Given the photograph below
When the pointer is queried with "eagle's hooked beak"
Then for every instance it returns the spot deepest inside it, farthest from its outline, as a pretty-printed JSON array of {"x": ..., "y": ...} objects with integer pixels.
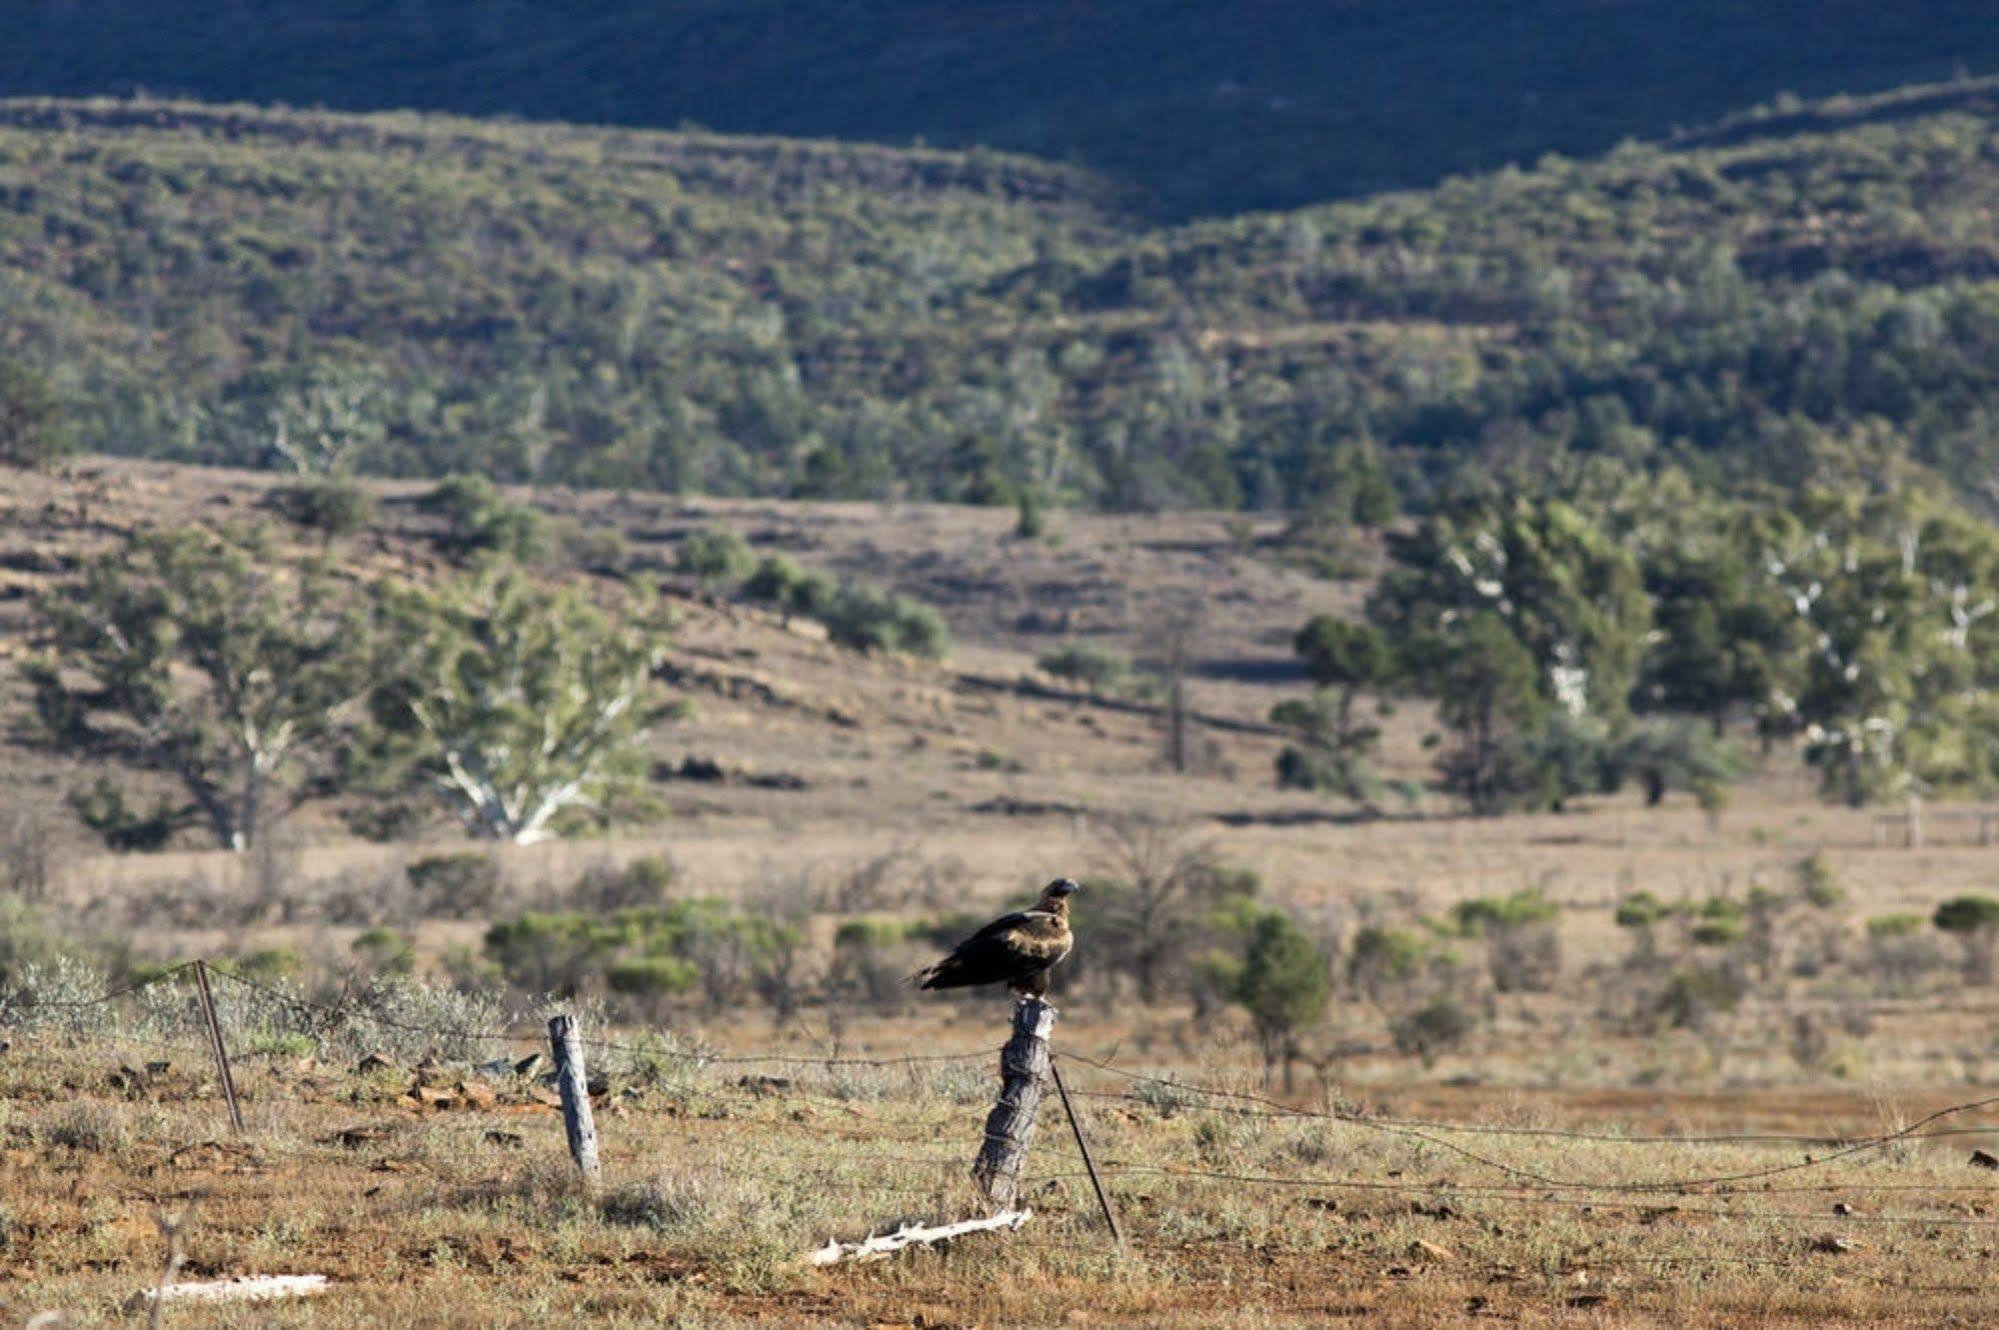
[{"x": 1063, "y": 886}]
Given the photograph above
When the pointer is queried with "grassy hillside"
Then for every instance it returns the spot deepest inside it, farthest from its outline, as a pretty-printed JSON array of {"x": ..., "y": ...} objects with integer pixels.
[
  {"x": 1208, "y": 107},
  {"x": 765, "y": 316}
]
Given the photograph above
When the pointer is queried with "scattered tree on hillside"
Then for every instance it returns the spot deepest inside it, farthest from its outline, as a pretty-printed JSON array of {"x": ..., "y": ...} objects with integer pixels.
[
  {"x": 521, "y": 706},
  {"x": 715, "y": 557},
  {"x": 1539, "y": 569},
  {"x": 1332, "y": 749},
  {"x": 780, "y": 582},
  {"x": 482, "y": 524},
  {"x": 323, "y": 421},
  {"x": 871, "y": 618},
  {"x": 31, "y": 433},
  {"x": 1489, "y": 693},
  {"x": 212, "y": 660},
  {"x": 1102, "y": 669}
]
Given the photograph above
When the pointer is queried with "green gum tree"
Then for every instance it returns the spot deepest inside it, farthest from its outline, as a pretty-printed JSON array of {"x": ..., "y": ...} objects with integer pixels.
[
  {"x": 520, "y": 705},
  {"x": 1488, "y": 691},
  {"x": 1563, "y": 588},
  {"x": 213, "y": 660}
]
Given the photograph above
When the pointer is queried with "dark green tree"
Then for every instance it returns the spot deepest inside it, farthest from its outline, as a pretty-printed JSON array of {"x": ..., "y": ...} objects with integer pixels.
[
  {"x": 31, "y": 432},
  {"x": 1332, "y": 748},
  {"x": 1728, "y": 636},
  {"x": 1285, "y": 985},
  {"x": 1563, "y": 589},
  {"x": 1974, "y": 921},
  {"x": 214, "y": 660},
  {"x": 1489, "y": 692}
]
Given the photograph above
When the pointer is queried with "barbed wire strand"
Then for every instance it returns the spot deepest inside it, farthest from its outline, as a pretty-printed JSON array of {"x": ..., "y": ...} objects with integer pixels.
[
  {"x": 1505, "y": 1129},
  {"x": 1861, "y": 1146},
  {"x": 353, "y": 1012},
  {"x": 10, "y": 1000}
]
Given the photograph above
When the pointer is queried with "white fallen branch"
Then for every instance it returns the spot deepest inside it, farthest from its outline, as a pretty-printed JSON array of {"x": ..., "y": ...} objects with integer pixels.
[
  {"x": 243, "y": 1288},
  {"x": 875, "y": 1248}
]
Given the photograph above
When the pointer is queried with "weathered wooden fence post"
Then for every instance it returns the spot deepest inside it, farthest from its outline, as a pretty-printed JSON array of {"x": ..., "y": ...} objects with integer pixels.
[
  {"x": 1023, "y": 1077},
  {"x": 566, "y": 1041},
  {"x": 216, "y": 1046}
]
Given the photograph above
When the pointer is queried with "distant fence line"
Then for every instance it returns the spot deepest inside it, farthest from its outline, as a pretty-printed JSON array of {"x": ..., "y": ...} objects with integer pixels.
[{"x": 1913, "y": 826}]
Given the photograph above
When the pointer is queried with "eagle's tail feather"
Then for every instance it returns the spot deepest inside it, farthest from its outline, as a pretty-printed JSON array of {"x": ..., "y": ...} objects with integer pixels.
[{"x": 947, "y": 973}]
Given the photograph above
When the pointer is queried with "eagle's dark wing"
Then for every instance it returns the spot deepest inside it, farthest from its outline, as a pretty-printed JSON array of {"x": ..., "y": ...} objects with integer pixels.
[{"x": 1010, "y": 949}]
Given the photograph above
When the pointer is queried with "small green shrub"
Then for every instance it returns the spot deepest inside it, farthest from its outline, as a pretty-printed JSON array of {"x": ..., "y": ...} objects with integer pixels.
[
  {"x": 1384, "y": 958},
  {"x": 1692, "y": 998},
  {"x": 1641, "y": 909},
  {"x": 730, "y": 953},
  {"x": 714, "y": 556},
  {"x": 1818, "y": 882},
  {"x": 665, "y": 1204},
  {"x": 333, "y": 506},
  {"x": 774, "y": 581},
  {"x": 1719, "y": 923},
  {"x": 455, "y": 885},
  {"x": 603, "y": 550},
  {"x": 480, "y": 521},
  {"x": 652, "y": 976},
  {"x": 868, "y": 618},
  {"x": 1099, "y": 668},
  {"x": 645, "y": 881},
  {"x": 1523, "y": 946},
  {"x": 1885, "y": 927},
  {"x": 269, "y": 964},
  {"x": 385, "y": 950},
  {"x": 1483, "y": 915},
  {"x": 1436, "y": 1027}
]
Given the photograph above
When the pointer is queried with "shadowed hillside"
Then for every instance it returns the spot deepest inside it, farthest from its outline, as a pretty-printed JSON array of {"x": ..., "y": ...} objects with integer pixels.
[{"x": 1209, "y": 107}]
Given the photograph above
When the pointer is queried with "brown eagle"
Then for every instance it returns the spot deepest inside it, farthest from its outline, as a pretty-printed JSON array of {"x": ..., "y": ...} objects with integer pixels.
[{"x": 1019, "y": 948}]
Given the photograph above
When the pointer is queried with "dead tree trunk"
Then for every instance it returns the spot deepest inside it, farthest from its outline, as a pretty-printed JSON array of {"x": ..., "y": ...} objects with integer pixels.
[{"x": 1024, "y": 1077}]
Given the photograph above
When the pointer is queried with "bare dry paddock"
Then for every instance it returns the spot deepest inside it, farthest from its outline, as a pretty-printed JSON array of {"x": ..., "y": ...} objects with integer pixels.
[{"x": 442, "y": 1194}]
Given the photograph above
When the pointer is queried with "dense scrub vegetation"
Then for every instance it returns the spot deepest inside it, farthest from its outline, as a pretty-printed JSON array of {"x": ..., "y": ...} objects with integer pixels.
[
  {"x": 1208, "y": 107},
  {"x": 410, "y": 295}
]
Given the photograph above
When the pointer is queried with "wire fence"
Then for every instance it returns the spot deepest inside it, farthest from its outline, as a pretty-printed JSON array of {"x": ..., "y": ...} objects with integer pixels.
[{"x": 907, "y": 1135}]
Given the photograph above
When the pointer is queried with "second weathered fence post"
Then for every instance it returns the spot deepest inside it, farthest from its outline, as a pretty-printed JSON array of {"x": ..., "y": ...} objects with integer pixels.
[
  {"x": 216, "y": 1046},
  {"x": 1023, "y": 1077},
  {"x": 566, "y": 1041}
]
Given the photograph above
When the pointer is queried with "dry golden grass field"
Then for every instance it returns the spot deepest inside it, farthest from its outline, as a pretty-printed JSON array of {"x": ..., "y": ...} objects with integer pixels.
[{"x": 1799, "y": 1156}]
